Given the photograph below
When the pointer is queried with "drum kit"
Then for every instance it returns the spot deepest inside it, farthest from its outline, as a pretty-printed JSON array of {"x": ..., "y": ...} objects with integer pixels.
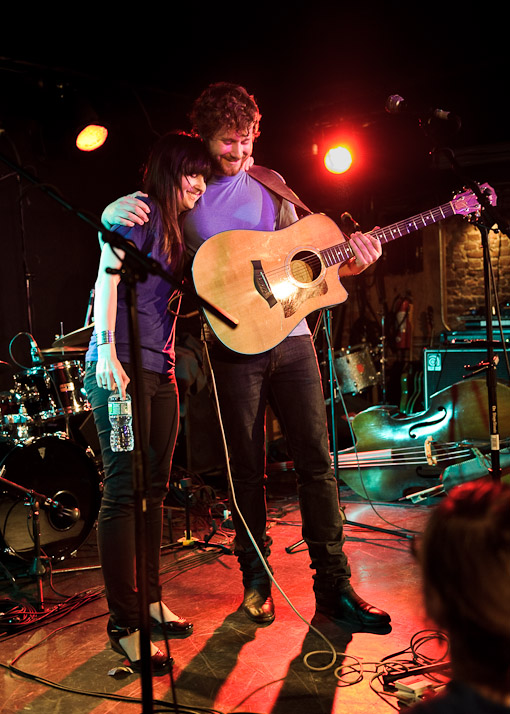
[
  {"x": 355, "y": 369},
  {"x": 44, "y": 458}
]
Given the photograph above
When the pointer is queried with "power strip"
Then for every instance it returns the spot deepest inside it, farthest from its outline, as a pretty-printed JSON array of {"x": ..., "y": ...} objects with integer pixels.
[{"x": 413, "y": 689}]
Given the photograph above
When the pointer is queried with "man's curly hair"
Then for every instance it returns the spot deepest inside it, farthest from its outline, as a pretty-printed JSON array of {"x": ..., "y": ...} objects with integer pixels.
[{"x": 224, "y": 105}]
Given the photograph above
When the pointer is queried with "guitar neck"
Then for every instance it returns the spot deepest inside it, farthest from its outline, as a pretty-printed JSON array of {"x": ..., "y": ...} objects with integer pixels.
[{"x": 342, "y": 252}]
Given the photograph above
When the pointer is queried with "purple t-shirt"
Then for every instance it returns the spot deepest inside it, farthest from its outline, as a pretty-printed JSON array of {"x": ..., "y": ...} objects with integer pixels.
[{"x": 156, "y": 324}]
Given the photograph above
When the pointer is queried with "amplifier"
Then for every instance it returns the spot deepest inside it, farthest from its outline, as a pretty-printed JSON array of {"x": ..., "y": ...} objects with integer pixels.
[
  {"x": 444, "y": 367},
  {"x": 473, "y": 335}
]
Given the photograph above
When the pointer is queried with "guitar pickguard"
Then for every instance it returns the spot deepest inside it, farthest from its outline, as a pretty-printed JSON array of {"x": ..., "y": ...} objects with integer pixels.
[
  {"x": 290, "y": 305},
  {"x": 303, "y": 282}
]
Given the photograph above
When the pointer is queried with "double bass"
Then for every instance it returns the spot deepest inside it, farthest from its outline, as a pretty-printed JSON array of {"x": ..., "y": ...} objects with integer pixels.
[{"x": 397, "y": 454}]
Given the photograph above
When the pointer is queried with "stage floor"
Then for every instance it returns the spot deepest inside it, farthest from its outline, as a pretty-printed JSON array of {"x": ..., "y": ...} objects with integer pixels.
[{"x": 229, "y": 664}]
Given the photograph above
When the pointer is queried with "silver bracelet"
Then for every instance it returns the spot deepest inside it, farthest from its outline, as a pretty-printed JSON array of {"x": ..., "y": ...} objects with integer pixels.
[{"x": 105, "y": 337}]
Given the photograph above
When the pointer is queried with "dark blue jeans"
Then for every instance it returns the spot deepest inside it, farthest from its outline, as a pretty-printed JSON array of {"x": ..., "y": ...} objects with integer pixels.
[
  {"x": 288, "y": 378},
  {"x": 116, "y": 523}
]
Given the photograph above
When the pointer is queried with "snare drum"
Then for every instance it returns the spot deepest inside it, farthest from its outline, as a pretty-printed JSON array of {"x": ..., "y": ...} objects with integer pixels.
[
  {"x": 355, "y": 369},
  {"x": 57, "y": 468}
]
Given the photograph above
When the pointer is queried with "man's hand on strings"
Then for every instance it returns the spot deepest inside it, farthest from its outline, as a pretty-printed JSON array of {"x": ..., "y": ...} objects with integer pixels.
[{"x": 367, "y": 250}]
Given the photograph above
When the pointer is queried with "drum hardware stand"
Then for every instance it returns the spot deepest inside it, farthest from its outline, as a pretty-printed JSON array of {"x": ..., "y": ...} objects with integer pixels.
[
  {"x": 189, "y": 540},
  {"x": 135, "y": 267},
  {"x": 7, "y": 572},
  {"x": 35, "y": 500}
]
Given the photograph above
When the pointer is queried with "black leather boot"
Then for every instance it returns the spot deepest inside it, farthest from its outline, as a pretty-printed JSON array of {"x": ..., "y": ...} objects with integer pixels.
[
  {"x": 345, "y": 604},
  {"x": 258, "y": 605}
]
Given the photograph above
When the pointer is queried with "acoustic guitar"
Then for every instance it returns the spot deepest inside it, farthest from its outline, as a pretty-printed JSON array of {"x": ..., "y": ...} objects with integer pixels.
[{"x": 271, "y": 280}]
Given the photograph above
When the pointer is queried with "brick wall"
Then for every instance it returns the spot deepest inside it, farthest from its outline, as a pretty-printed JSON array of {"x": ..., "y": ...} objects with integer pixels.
[{"x": 463, "y": 268}]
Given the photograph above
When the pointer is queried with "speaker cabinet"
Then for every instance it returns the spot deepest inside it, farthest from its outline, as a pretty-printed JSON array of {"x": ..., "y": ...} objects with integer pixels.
[{"x": 445, "y": 367}]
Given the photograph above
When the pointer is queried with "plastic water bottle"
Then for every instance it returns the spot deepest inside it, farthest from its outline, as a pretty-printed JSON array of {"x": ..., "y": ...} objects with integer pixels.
[{"x": 119, "y": 412}]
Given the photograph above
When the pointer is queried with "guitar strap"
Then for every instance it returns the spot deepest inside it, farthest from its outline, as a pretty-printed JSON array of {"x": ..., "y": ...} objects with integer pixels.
[{"x": 274, "y": 182}]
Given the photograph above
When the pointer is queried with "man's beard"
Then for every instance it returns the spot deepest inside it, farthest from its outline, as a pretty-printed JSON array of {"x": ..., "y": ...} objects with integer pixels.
[{"x": 227, "y": 168}]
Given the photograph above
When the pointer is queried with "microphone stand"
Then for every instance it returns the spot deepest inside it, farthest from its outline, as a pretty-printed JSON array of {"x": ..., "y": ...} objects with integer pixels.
[
  {"x": 135, "y": 268},
  {"x": 489, "y": 217},
  {"x": 37, "y": 500},
  {"x": 332, "y": 381}
]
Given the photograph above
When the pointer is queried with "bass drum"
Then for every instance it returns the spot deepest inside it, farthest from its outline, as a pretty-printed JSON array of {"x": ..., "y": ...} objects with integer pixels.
[{"x": 57, "y": 468}]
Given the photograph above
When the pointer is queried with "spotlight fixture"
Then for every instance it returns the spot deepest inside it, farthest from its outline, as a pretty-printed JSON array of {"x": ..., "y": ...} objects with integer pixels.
[
  {"x": 89, "y": 132},
  {"x": 68, "y": 119},
  {"x": 91, "y": 137},
  {"x": 338, "y": 160}
]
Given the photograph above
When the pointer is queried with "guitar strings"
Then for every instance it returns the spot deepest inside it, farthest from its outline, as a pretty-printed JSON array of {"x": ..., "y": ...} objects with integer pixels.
[
  {"x": 447, "y": 451},
  {"x": 385, "y": 235}
]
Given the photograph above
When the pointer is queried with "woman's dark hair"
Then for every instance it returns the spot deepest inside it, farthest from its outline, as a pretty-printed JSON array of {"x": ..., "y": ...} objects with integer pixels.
[
  {"x": 173, "y": 156},
  {"x": 465, "y": 559},
  {"x": 224, "y": 105}
]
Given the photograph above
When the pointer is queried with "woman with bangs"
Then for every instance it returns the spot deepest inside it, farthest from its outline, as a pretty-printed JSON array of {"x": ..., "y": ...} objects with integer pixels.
[{"x": 174, "y": 180}]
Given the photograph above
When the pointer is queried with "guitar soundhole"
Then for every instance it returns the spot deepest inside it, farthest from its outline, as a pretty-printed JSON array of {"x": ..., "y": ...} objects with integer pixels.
[{"x": 305, "y": 267}]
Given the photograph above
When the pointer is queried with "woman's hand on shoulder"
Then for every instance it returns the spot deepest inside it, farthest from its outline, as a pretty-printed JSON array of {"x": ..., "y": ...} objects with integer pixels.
[{"x": 126, "y": 211}]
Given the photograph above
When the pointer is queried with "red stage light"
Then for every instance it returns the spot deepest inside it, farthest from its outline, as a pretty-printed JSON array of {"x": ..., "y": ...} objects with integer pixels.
[{"x": 338, "y": 160}]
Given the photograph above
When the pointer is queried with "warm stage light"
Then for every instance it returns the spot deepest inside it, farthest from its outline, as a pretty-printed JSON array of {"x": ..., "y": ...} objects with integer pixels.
[
  {"x": 91, "y": 137},
  {"x": 338, "y": 160}
]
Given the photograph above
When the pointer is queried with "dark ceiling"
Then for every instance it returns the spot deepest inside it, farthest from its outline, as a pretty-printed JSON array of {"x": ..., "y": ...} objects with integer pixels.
[{"x": 313, "y": 69}]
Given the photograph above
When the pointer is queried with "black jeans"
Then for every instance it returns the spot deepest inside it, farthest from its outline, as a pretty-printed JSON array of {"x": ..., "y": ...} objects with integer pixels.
[
  {"x": 116, "y": 524},
  {"x": 288, "y": 378}
]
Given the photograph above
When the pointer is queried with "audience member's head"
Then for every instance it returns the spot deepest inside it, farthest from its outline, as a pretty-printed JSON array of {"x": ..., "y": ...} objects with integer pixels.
[{"x": 465, "y": 559}]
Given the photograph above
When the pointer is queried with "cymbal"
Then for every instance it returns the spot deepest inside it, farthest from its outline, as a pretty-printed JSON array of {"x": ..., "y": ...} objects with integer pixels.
[
  {"x": 78, "y": 337},
  {"x": 63, "y": 350}
]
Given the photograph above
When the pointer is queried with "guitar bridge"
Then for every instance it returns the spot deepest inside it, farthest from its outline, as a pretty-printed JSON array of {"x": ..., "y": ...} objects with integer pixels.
[{"x": 261, "y": 284}]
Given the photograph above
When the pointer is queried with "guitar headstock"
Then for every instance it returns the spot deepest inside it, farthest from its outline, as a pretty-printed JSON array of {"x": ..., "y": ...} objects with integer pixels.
[{"x": 467, "y": 204}]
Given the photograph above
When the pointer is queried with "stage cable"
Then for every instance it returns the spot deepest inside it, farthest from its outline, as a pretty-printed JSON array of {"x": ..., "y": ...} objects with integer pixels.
[{"x": 329, "y": 644}]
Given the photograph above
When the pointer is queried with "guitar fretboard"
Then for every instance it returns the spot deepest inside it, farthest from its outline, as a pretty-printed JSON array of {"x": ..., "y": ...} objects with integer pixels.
[{"x": 341, "y": 253}]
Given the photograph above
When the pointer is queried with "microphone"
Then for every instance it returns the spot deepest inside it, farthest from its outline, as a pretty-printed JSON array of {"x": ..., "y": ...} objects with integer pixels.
[
  {"x": 72, "y": 513},
  {"x": 348, "y": 224},
  {"x": 89, "y": 307},
  {"x": 35, "y": 352},
  {"x": 395, "y": 104}
]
